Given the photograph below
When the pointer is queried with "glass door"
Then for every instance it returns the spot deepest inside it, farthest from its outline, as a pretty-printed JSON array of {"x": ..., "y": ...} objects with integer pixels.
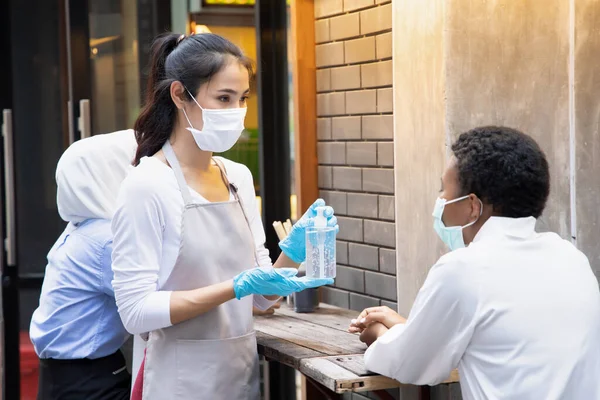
[{"x": 114, "y": 65}]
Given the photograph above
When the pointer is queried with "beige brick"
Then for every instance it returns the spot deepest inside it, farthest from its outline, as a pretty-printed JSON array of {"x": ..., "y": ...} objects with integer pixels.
[
  {"x": 360, "y": 153},
  {"x": 362, "y": 205},
  {"x": 337, "y": 200},
  {"x": 331, "y": 104},
  {"x": 350, "y": 229},
  {"x": 386, "y": 207},
  {"x": 384, "y": 46},
  {"x": 376, "y": 19},
  {"x": 351, "y": 5},
  {"x": 330, "y": 54},
  {"x": 377, "y": 284},
  {"x": 387, "y": 261},
  {"x": 323, "y": 80},
  {"x": 378, "y": 127},
  {"x": 331, "y": 152},
  {"x": 325, "y": 177},
  {"x": 385, "y": 99},
  {"x": 335, "y": 297},
  {"x": 359, "y": 302},
  {"x": 345, "y": 128},
  {"x": 378, "y": 180},
  {"x": 360, "y": 50},
  {"x": 376, "y": 74},
  {"x": 324, "y": 128},
  {"x": 325, "y": 8},
  {"x": 385, "y": 154},
  {"x": 345, "y": 78},
  {"x": 344, "y": 26},
  {"x": 346, "y": 178},
  {"x": 322, "y": 31},
  {"x": 361, "y": 102}
]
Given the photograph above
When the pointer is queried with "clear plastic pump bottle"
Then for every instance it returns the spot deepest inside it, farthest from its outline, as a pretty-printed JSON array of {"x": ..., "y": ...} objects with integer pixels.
[{"x": 320, "y": 248}]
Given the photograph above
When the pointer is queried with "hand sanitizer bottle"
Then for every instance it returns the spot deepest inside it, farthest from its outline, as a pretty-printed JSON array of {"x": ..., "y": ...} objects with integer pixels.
[{"x": 320, "y": 248}]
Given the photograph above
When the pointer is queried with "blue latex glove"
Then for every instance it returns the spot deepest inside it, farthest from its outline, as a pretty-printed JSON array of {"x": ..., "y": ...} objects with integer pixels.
[
  {"x": 294, "y": 245},
  {"x": 268, "y": 281}
]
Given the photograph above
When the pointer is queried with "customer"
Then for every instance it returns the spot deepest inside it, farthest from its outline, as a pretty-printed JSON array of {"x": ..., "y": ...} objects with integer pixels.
[{"x": 518, "y": 312}]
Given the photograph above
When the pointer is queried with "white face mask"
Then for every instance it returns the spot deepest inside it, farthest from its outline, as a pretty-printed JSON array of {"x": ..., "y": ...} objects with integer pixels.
[{"x": 222, "y": 128}]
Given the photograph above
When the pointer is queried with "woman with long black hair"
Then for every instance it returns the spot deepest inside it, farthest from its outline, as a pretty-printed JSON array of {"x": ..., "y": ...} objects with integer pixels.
[{"x": 188, "y": 239}]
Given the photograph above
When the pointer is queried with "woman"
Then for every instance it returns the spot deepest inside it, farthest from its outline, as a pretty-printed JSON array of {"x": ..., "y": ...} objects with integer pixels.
[
  {"x": 187, "y": 231},
  {"x": 76, "y": 330}
]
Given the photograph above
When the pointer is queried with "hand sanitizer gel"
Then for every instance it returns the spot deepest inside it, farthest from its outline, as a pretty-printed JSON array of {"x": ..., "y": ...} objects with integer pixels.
[{"x": 320, "y": 248}]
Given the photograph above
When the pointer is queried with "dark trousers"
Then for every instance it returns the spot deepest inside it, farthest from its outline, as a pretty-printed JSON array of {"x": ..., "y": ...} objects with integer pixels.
[{"x": 99, "y": 379}]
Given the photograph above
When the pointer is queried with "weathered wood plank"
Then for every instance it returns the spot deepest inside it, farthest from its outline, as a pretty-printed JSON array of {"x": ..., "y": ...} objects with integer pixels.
[
  {"x": 340, "y": 380},
  {"x": 282, "y": 351},
  {"x": 324, "y": 339},
  {"x": 353, "y": 363},
  {"x": 325, "y": 315},
  {"x": 327, "y": 373}
]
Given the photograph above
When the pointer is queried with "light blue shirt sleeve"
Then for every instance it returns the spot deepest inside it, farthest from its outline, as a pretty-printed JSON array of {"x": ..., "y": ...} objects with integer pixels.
[{"x": 77, "y": 316}]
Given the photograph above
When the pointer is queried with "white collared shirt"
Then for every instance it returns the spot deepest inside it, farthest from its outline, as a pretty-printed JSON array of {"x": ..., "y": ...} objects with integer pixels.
[{"x": 517, "y": 312}]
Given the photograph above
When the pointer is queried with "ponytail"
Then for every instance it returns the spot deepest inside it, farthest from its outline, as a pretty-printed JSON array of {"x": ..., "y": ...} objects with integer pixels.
[
  {"x": 192, "y": 61},
  {"x": 155, "y": 123}
]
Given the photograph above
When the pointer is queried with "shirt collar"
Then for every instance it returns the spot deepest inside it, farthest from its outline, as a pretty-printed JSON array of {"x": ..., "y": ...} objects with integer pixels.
[{"x": 502, "y": 226}]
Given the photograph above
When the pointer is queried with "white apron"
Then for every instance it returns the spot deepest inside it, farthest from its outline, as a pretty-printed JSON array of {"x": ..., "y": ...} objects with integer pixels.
[{"x": 213, "y": 356}]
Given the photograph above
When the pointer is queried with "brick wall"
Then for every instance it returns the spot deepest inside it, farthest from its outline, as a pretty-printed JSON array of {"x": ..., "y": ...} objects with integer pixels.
[{"x": 355, "y": 148}]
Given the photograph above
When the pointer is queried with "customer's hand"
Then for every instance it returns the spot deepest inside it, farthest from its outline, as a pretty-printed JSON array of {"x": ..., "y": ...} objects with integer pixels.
[
  {"x": 372, "y": 332},
  {"x": 269, "y": 311},
  {"x": 294, "y": 245},
  {"x": 383, "y": 315},
  {"x": 268, "y": 281}
]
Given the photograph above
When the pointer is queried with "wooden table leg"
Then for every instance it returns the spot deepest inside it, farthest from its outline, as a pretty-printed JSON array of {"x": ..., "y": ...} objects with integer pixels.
[{"x": 316, "y": 391}]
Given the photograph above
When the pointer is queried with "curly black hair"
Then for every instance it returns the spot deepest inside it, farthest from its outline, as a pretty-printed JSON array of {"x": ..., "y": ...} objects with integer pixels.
[{"x": 505, "y": 168}]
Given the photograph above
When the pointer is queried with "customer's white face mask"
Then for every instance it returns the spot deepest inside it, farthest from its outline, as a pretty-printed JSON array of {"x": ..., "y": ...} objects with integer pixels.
[{"x": 222, "y": 128}]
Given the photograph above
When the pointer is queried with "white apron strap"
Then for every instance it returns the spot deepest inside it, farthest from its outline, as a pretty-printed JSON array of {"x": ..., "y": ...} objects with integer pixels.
[{"x": 174, "y": 163}]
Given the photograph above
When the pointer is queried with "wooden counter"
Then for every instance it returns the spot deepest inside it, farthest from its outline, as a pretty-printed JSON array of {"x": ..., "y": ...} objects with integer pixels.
[{"x": 318, "y": 345}]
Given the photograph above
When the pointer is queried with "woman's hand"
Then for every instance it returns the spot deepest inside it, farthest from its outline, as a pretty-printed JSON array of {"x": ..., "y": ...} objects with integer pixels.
[
  {"x": 368, "y": 316},
  {"x": 273, "y": 281},
  {"x": 294, "y": 245}
]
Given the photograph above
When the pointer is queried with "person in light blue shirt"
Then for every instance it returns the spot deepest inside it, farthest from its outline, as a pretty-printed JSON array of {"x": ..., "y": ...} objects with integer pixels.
[{"x": 76, "y": 330}]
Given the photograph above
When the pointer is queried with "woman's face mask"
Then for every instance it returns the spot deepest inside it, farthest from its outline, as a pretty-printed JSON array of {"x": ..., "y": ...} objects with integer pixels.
[
  {"x": 452, "y": 236},
  {"x": 221, "y": 129}
]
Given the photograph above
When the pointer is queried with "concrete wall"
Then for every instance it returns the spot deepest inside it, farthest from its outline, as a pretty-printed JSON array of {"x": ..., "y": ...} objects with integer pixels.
[
  {"x": 586, "y": 127},
  {"x": 528, "y": 64}
]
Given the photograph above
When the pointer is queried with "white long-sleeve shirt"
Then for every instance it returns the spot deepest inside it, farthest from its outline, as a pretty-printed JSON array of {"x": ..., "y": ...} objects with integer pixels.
[
  {"x": 517, "y": 312},
  {"x": 147, "y": 233}
]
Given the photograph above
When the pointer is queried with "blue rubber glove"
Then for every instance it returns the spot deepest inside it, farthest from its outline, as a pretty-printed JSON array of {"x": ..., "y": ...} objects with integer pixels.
[
  {"x": 268, "y": 281},
  {"x": 294, "y": 245}
]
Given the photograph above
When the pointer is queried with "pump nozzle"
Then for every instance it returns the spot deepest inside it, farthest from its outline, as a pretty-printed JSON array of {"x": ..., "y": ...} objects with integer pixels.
[{"x": 320, "y": 220}]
